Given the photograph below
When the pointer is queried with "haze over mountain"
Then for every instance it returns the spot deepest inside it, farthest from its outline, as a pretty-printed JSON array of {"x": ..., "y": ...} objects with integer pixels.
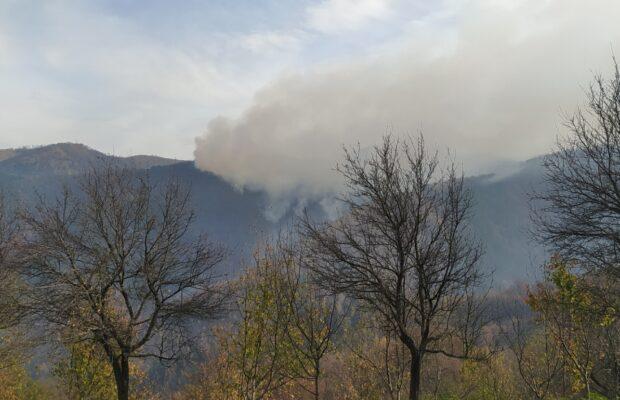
[{"x": 237, "y": 217}]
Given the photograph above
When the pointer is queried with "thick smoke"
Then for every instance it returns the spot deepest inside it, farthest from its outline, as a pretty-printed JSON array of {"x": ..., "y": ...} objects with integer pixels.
[{"x": 489, "y": 80}]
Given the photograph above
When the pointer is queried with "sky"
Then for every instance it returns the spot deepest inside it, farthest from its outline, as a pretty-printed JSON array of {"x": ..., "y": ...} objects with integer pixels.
[
  {"x": 148, "y": 76},
  {"x": 266, "y": 92}
]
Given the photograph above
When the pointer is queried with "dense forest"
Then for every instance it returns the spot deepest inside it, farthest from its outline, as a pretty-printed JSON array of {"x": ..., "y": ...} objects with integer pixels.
[{"x": 107, "y": 291}]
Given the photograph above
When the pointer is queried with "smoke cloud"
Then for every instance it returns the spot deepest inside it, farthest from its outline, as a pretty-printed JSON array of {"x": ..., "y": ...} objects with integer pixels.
[{"x": 487, "y": 79}]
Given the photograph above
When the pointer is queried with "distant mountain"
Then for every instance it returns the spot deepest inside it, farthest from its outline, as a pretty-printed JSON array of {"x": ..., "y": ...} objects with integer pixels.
[
  {"x": 237, "y": 218},
  {"x": 502, "y": 221},
  {"x": 26, "y": 172},
  {"x": 66, "y": 159},
  {"x": 231, "y": 217}
]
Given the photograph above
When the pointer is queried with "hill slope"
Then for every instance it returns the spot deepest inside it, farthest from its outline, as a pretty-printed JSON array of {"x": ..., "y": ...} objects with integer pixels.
[{"x": 236, "y": 218}]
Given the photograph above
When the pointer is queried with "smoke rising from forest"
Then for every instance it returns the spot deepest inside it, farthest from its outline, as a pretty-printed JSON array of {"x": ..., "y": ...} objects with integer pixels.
[{"x": 485, "y": 78}]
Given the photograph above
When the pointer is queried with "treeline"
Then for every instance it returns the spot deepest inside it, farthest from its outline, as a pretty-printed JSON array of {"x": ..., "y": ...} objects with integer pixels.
[{"x": 388, "y": 301}]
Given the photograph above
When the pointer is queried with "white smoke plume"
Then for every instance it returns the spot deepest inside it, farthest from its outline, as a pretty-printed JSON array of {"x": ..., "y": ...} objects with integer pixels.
[{"x": 487, "y": 79}]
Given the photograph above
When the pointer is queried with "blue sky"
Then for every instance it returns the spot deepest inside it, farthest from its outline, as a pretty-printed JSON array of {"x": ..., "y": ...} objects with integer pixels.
[{"x": 265, "y": 92}]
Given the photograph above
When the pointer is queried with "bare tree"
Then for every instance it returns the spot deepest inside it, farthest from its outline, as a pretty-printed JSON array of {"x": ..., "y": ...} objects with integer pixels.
[
  {"x": 12, "y": 309},
  {"x": 538, "y": 361},
  {"x": 314, "y": 320},
  {"x": 379, "y": 350},
  {"x": 15, "y": 336},
  {"x": 578, "y": 214},
  {"x": 404, "y": 249},
  {"x": 259, "y": 353},
  {"x": 113, "y": 262}
]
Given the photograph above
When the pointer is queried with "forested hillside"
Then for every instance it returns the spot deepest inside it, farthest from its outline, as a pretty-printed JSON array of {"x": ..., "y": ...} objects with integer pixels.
[{"x": 237, "y": 217}]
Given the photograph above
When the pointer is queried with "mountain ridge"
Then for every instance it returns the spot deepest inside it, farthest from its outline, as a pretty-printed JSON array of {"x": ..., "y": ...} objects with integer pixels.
[
  {"x": 238, "y": 218},
  {"x": 69, "y": 158}
]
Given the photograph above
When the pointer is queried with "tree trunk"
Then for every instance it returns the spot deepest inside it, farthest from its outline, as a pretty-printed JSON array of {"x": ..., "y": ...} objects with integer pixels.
[
  {"x": 414, "y": 379},
  {"x": 317, "y": 369},
  {"x": 120, "y": 366}
]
